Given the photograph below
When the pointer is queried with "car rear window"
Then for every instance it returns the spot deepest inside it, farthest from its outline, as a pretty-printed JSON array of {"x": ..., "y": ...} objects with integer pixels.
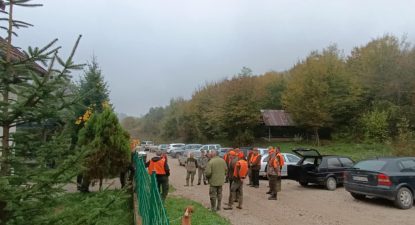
[
  {"x": 333, "y": 163},
  {"x": 371, "y": 165},
  {"x": 346, "y": 162}
]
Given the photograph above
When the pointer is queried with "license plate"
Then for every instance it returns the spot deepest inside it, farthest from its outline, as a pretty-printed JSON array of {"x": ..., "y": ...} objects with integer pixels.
[{"x": 358, "y": 178}]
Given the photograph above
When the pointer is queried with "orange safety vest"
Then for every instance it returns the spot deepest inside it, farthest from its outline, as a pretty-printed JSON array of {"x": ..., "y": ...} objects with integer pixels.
[
  {"x": 157, "y": 167},
  {"x": 276, "y": 165},
  {"x": 281, "y": 159},
  {"x": 254, "y": 158},
  {"x": 225, "y": 157},
  {"x": 243, "y": 169}
]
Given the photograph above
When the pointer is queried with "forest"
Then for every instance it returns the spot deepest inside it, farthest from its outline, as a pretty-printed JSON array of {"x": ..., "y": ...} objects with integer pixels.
[{"x": 366, "y": 95}]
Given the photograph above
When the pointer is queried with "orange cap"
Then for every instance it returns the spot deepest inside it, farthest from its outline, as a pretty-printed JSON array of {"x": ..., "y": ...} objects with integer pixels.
[{"x": 232, "y": 152}]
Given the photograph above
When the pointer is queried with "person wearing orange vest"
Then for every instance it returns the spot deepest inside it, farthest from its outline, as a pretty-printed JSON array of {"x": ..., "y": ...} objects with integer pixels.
[
  {"x": 159, "y": 166},
  {"x": 239, "y": 174},
  {"x": 281, "y": 162},
  {"x": 270, "y": 151},
  {"x": 248, "y": 159},
  {"x": 273, "y": 173},
  {"x": 255, "y": 166},
  {"x": 229, "y": 158}
]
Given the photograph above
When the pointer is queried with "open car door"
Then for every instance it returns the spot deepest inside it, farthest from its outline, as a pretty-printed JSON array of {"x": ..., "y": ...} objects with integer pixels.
[{"x": 306, "y": 152}]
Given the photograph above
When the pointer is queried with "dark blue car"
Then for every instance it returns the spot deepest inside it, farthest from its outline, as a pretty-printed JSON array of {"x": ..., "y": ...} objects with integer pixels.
[{"x": 390, "y": 178}]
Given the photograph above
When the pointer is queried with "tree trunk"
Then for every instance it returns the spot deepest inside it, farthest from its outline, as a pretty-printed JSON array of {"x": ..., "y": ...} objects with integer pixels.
[
  {"x": 4, "y": 163},
  {"x": 317, "y": 137},
  {"x": 100, "y": 184},
  {"x": 5, "y": 145}
]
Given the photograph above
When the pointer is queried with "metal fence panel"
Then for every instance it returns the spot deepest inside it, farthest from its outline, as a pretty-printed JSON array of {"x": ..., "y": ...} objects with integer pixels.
[{"x": 150, "y": 204}]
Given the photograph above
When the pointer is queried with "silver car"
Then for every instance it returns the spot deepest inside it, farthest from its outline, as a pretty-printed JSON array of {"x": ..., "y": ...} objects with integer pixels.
[{"x": 289, "y": 159}]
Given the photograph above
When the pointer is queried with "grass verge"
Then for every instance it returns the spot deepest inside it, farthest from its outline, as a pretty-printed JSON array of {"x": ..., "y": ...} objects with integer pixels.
[
  {"x": 175, "y": 207},
  {"x": 104, "y": 208},
  {"x": 357, "y": 151}
]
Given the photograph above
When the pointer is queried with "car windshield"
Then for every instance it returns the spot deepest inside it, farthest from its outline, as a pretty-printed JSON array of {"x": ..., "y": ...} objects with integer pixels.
[
  {"x": 177, "y": 146},
  {"x": 371, "y": 165}
]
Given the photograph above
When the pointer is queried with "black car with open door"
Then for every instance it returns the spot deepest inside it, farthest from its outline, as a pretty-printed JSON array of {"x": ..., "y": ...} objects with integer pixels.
[
  {"x": 319, "y": 169},
  {"x": 391, "y": 178}
]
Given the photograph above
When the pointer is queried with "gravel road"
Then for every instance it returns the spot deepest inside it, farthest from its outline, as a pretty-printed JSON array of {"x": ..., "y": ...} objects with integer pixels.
[{"x": 297, "y": 205}]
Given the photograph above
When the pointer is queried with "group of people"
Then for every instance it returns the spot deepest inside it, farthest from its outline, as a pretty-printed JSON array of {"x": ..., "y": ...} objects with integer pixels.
[{"x": 233, "y": 168}]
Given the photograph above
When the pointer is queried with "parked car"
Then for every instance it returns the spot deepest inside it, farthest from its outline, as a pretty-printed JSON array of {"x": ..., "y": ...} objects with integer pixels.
[
  {"x": 183, "y": 157},
  {"x": 174, "y": 146},
  {"x": 177, "y": 152},
  {"x": 210, "y": 147},
  {"x": 163, "y": 147},
  {"x": 319, "y": 169},
  {"x": 289, "y": 159},
  {"x": 223, "y": 151},
  {"x": 146, "y": 145},
  {"x": 389, "y": 178}
]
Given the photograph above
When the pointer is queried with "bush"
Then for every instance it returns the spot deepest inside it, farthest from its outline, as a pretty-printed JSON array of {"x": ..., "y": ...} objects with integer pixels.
[{"x": 375, "y": 126}]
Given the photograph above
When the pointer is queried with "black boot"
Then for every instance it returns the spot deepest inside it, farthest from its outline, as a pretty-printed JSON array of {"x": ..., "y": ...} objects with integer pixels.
[{"x": 273, "y": 197}]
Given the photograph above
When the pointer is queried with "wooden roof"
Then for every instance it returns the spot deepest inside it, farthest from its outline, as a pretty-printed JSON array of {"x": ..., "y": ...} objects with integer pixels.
[{"x": 277, "y": 118}]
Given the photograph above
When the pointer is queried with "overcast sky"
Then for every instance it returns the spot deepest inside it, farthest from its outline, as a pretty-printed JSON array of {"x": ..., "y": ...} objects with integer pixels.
[{"x": 153, "y": 50}]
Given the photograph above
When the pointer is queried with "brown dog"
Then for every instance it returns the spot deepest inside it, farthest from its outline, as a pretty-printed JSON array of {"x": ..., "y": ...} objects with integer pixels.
[{"x": 186, "y": 219}]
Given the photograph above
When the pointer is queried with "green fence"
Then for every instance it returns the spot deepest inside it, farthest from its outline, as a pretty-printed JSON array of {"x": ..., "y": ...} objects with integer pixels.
[{"x": 150, "y": 205}]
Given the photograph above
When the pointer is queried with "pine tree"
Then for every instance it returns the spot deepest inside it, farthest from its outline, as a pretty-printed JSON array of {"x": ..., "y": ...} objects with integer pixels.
[
  {"x": 93, "y": 92},
  {"x": 36, "y": 101},
  {"x": 107, "y": 144}
]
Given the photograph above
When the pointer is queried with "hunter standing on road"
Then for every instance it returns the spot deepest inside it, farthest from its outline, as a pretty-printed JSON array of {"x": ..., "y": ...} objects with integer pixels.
[
  {"x": 273, "y": 173},
  {"x": 255, "y": 166},
  {"x": 248, "y": 159},
  {"x": 159, "y": 166},
  {"x": 215, "y": 172},
  {"x": 202, "y": 163},
  {"x": 239, "y": 174},
  {"x": 191, "y": 166},
  {"x": 281, "y": 162}
]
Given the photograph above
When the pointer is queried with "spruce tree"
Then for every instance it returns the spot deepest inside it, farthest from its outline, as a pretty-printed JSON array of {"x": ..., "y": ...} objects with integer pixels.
[
  {"x": 107, "y": 144},
  {"x": 34, "y": 99}
]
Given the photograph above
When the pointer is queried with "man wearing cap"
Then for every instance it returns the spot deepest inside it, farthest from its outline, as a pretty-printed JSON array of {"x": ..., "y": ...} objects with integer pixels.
[
  {"x": 159, "y": 166},
  {"x": 202, "y": 163},
  {"x": 273, "y": 173},
  {"x": 239, "y": 174},
  {"x": 270, "y": 151},
  {"x": 281, "y": 162},
  {"x": 215, "y": 172},
  {"x": 248, "y": 159},
  {"x": 255, "y": 166}
]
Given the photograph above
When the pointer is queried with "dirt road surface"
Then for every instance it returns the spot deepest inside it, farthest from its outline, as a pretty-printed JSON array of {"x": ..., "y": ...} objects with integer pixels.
[{"x": 296, "y": 205}]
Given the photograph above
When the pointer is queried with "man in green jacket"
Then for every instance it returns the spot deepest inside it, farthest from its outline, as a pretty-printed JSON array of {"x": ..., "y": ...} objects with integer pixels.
[{"x": 216, "y": 172}]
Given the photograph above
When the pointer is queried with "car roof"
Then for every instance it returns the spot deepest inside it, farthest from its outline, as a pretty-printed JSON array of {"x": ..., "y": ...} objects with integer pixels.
[{"x": 390, "y": 158}]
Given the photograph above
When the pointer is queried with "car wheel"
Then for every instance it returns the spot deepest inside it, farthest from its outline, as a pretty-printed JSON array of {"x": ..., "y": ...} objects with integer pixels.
[
  {"x": 331, "y": 184},
  {"x": 358, "y": 196},
  {"x": 404, "y": 198},
  {"x": 303, "y": 183}
]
